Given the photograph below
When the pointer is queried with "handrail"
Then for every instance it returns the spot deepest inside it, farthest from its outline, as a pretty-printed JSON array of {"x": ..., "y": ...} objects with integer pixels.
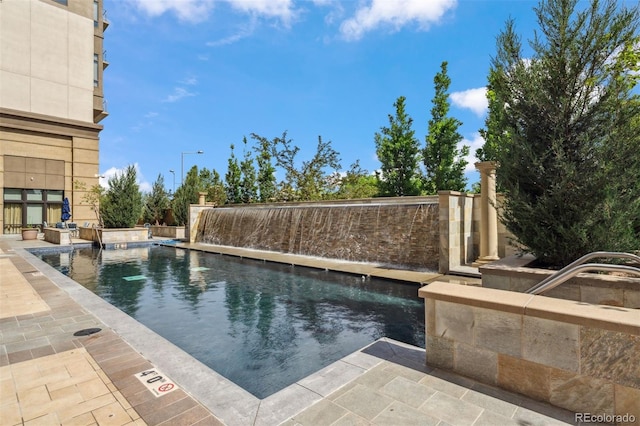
[
  {"x": 583, "y": 259},
  {"x": 568, "y": 274}
]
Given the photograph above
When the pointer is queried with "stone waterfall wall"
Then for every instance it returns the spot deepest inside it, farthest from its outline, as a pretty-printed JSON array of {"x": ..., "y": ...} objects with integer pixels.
[{"x": 401, "y": 233}]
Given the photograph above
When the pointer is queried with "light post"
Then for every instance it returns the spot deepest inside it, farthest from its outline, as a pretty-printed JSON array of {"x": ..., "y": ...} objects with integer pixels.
[
  {"x": 182, "y": 163},
  {"x": 174, "y": 179}
]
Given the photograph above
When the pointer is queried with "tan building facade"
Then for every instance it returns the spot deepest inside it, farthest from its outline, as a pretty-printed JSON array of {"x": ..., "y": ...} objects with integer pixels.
[{"x": 51, "y": 101}]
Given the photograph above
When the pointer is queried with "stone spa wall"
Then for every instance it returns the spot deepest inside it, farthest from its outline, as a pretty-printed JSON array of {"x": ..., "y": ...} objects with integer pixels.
[
  {"x": 581, "y": 357},
  {"x": 404, "y": 232}
]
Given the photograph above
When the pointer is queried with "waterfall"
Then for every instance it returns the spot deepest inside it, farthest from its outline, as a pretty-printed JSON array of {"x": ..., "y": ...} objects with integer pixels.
[{"x": 392, "y": 234}]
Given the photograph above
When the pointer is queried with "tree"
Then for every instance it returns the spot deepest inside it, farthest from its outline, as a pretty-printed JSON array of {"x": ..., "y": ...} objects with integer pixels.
[
  {"x": 443, "y": 161},
  {"x": 248, "y": 186},
  {"x": 313, "y": 182},
  {"x": 213, "y": 185},
  {"x": 232, "y": 179},
  {"x": 186, "y": 194},
  {"x": 356, "y": 183},
  {"x": 156, "y": 203},
  {"x": 398, "y": 150},
  {"x": 122, "y": 203},
  {"x": 266, "y": 179},
  {"x": 570, "y": 168},
  {"x": 494, "y": 134}
]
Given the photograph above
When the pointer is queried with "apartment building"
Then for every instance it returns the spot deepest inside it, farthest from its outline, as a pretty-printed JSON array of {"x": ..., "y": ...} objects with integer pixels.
[{"x": 51, "y": 103}]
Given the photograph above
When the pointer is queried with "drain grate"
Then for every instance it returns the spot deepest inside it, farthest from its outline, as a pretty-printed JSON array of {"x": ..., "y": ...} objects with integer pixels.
[{"x": 87, "y": 331}]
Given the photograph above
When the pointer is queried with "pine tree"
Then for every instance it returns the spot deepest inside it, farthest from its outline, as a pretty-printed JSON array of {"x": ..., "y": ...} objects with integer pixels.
[
  {"x": 398, "y": 151},
  {"x": 443, "y": 161},
  {"x": 248, "y": 187},
  {"x": 494, "y": 134},
  {"x": 186, "y": 194},
  {"x": 232, "y": 179},
  {"x": 157, "y": 202},
  {"x": 122, "y": 203},
  {"x": 570, "y": 168}
]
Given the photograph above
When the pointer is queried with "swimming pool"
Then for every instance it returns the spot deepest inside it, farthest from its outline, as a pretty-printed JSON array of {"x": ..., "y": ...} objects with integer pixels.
[{"x": 263, "y": 326}]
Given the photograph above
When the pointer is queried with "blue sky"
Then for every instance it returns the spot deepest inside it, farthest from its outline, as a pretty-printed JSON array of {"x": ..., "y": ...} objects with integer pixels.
[{"x": 189, "y": 75}]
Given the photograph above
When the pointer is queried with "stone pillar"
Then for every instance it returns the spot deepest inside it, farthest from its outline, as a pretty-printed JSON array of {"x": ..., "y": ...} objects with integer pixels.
[
  {"x": 488, "y": 213},
  {"x": 202, "y": 195}
]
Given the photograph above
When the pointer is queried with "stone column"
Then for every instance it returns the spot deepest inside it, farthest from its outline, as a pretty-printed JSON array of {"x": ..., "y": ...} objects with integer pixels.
[
  {"x": 488, "y": 213},
  {"x": 202, "y": 195}
]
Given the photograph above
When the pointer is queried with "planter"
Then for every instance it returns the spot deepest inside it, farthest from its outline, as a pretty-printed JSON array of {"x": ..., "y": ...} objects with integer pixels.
[
  {"x": 513, "y": 273},
  {"x": 174, "y": 232},
  {"x": 29, "y": 233}
]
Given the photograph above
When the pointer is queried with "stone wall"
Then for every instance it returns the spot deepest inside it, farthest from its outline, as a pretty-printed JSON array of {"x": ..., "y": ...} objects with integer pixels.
[
  {"x": 402, "y": 232},
  {"x": 580, "y": 357},
  {"x": 513, "y": 274}
]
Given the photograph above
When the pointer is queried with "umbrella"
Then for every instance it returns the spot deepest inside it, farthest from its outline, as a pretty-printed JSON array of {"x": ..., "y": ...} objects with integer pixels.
[{"x": 66, "y": 210}]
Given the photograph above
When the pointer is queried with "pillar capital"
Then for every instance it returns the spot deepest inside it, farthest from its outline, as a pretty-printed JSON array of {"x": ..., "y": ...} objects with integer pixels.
[{"x": 486, "y": 166}]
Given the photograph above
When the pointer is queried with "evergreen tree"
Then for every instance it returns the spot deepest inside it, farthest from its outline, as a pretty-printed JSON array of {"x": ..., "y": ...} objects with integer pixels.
[
  {"x": 313, "y": 182},
  {"x": 156, "y": 203},
  {"x": 443, "y": 161},
  {"x": 232, "y": 179},
  {"x": 494, "y": 134},
  {"x": 266, "y": 178},
  {"x": 570, "y": 168},
  {"x": 398, "y": 150},
  {"x": 213, "y": 185},
  {"x": 122, "y": 203},
  {"x": 248, "y": 187},
  {"x": 186, "y": 194}
]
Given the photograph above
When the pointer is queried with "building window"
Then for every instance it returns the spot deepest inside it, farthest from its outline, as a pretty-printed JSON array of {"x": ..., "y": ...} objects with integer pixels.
[
  {"x": 30, "y": 207},
  {"x": 96, "y": 63},
  {"x": 62, "y": 2},
  {"x": 95, "y": 13}
]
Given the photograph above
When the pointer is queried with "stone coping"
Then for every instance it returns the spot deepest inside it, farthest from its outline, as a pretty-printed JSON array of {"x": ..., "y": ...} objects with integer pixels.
[
  {"x": 517, "y": 264},
  {"x": 612, "y": 318}
]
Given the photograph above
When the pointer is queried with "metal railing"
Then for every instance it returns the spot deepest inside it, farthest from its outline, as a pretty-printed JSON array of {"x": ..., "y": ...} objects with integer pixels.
[{"x": 579, "y": 266}]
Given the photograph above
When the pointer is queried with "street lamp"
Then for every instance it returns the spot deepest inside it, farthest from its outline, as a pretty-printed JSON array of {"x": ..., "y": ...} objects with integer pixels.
[
  {"x": 182, "y": 163},
  {"x": 174, "y": 180}
]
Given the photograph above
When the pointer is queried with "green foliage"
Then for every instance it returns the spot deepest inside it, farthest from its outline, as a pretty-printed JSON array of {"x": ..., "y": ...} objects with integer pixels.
[
  {"x": 266, "y": 178},
  {"x": 443, "y": 161},
  {"x": 248, "y": 185},
  {"x": 211, "y": 182},
  {"x": 121, "y": 206},
  {"x": 156, "y": 203},
  {"x": 494, "y": 134},
  {"x": 311, "y": 181},
  {"x": 186, "y": 194},
  {"x": 356, "y": 183},
  {"x": 92, "y": 197},
  {"x": 397, "y": 149},
  {"x": 232, "y": 179},
  {"x": 570, "y": 168}
]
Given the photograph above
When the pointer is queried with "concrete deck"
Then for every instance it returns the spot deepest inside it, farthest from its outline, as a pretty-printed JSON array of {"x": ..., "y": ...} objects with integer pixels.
[{"x": 50, "y": 376}]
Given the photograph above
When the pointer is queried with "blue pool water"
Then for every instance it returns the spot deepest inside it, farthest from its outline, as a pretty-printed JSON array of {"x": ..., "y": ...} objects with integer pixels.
[{"x": 263, "y": 326}]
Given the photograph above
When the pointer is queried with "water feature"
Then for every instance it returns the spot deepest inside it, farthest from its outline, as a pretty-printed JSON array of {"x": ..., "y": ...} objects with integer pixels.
[
  {"x": 261, "y": 325},
  {"x": 404, "y": 234}
]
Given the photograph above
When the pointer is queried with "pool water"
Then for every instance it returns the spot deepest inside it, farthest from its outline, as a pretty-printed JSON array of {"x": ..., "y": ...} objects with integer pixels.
[{"x": 263, "y": 326}]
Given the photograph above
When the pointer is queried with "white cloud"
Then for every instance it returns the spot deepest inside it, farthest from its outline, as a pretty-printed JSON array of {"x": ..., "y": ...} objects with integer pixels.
[
  {"x": 114, "y": 172},
  {"x": 199, "y": 10},
  {"x": 279, "y": 9},
  {"x": 473, "y": 99},
  {"x": 178, "y": 93},
  {"x": 244, "y": 32},
  {"x": 185, "y": 10},
  {"x": 151, "y": 114},
  {"x": 476, "y": 142},
  {"x": 394, "y": 13},
  {"x": 190, "y": 81},
  {"x": 203, "y": 57}
]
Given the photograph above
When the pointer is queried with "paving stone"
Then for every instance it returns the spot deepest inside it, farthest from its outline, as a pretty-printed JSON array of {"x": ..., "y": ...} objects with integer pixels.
[
  {"x": 364, "y": 402},
  {"x": 452, "y": 410},
  {"x": 401, "y": 414}
]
